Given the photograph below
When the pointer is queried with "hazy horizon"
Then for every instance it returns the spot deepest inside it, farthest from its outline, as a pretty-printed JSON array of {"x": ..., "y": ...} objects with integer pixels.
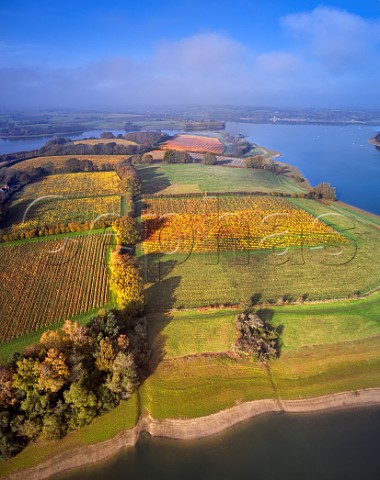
[{"x": 90, "y": 55}]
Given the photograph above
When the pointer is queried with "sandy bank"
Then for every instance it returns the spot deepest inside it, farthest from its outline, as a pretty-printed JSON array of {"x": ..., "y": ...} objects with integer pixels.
[
  {"x": 374, "y": 141},
  {"x": 193, "y": 429}
]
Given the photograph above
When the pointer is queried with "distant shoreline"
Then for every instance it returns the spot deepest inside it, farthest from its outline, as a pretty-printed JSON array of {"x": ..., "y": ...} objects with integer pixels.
[{"x": 193, "y": 429}]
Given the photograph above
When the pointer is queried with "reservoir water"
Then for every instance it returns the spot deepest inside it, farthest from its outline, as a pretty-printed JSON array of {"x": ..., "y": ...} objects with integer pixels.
[
  {"x": 339, "y": 155},
  {"x": 340, "y": 445}
]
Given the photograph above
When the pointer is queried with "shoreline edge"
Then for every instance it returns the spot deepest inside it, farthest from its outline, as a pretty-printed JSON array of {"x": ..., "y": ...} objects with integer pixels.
[{"x": 192, "y": 429}]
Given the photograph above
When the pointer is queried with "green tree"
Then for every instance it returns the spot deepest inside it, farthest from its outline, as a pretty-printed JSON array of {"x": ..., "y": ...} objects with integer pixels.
[
  {"x": 27, "y": 375},
  {"x": 209, "y": 159},
  {"x": 168, "y": 156},
  {"x": 124, "y": 375},
  {"x": 54, "y": 424},
  {"x": 83, "y": 404},
  {"x": 103, "y": 325},
  {"x": 10, "y": 442}
]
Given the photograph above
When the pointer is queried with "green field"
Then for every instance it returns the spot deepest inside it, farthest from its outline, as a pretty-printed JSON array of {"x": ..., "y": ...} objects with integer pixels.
[
  {"x": 193, "y": 332},
  {"x": 196, "y": 386},
  {"x": 192, "y": 280},
  {"x": 204, "y": 178}
]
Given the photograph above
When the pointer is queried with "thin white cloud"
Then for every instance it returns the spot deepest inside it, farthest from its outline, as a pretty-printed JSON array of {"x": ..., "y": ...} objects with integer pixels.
[
  {"x": 279, "y": 63},
  {"x": 339, "y": 39},
  {"x": 201, "y": 52}
]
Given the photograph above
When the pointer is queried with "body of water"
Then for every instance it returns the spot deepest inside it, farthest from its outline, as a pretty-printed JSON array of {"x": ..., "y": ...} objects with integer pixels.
[
  {"x": 26, "y": 144},
  {"x": 341, "y": 445},
  {"x": 340, "y": 155}
]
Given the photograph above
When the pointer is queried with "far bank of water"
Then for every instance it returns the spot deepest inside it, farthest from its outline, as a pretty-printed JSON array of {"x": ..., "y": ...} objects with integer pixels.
[
  {"x": 26, "y": 144},
  {"x": 340, "y": 445}
]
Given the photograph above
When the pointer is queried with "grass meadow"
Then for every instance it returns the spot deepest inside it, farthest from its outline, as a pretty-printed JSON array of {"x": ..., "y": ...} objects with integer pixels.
[{"x": 195, "y": 177}]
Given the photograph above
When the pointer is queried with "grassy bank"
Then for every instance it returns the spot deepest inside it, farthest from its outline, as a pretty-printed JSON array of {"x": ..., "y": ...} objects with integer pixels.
[{"x": 102, "y": 428}]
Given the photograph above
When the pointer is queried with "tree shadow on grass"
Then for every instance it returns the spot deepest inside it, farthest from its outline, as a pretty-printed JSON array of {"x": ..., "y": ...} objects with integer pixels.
[
  {"x": 153, "y": 269},
  {"x": 161, "y": 298},
  {"x": 153, "y": 180}
]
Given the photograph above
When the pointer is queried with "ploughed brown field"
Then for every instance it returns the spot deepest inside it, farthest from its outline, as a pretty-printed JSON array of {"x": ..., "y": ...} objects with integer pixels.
[{"x": 194, "y": 143}]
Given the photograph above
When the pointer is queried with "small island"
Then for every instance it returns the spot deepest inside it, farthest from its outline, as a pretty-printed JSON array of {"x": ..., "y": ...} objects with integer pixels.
[{"x": 375, "y": 141}]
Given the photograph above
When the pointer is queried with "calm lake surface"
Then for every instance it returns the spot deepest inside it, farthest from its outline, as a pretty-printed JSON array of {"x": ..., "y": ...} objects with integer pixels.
[
  {"x": 341, "y": 445},
  {"x": 341, "y": 156}
]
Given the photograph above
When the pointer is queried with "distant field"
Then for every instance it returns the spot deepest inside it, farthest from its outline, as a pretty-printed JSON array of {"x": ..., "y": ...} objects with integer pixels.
[
  {"x": 198, "y": 157},
  {"x": 84, "y": 184},
  {"x": 48, "y": 281},
  {"x": 194, "y": 143},
  {"x": 191, "y": 279},
  {"x": 97, "y": 141},
  {"x": 156, "y": 178},
  {"x": 59, "y": 160}
]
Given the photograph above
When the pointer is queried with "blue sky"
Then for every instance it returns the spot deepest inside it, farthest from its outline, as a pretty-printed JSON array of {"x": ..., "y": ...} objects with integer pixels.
[{"x": 99, "y": 54}]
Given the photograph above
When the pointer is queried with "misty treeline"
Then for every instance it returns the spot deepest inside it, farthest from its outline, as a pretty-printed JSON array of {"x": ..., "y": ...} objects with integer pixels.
[{"x": 72, "y": 375}]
